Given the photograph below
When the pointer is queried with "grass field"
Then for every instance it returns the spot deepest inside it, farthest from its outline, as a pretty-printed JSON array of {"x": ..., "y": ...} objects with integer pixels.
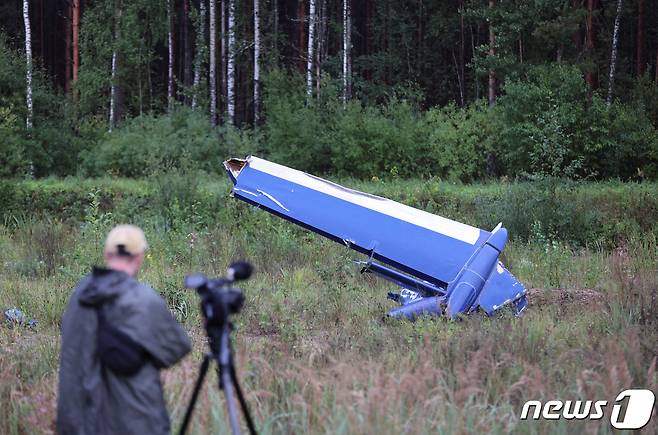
[{"x": 314, "y": 352}]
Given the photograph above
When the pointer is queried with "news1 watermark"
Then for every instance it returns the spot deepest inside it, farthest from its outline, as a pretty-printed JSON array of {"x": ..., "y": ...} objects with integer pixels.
[{"x": 632, "y": 409}]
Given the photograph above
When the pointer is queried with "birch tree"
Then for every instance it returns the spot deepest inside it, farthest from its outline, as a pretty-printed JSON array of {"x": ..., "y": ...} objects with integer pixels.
[
  {"x": 200, "y": 48},
  {"x": 222, "y": 56},
  {"x": 28, "y": 60},
  {"x": 170, "y": 66},
  {"x": 347, "y": 45},
  {"x": 256, "y": 62},
  {"x": 613, "y": 55},
  {"x": 230, "y": 69},
  {"x": 213, "y": 65},
  {"x": 311, "y": 47},
  {"x": 114, "y": 90}
]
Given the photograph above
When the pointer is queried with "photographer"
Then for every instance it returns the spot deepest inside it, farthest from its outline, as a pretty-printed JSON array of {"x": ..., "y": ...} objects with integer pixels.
[{"x": 117, "y": 334}]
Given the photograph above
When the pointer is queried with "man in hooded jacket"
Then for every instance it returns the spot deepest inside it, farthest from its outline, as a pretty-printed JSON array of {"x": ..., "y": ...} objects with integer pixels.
[{"x": 117, "y": 333}]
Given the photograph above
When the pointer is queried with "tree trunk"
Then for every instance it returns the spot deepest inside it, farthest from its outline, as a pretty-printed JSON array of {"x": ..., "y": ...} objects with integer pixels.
[
  {"x": 317, "y": 67},
  {"x": 170, "y": 69},
  {"x": 114, "y": 91},
  {"x": 276, "y": 28},
  {"x": 200, "y": 51},
  {"x": 347, "y": 45},
  {"x": 28, "y": 60},
  {"x": 230, "y": 69},
  {"x": 301, "y": 34},
  {"x": 492, "y": 53},
  {"x": 187, "y": 47},
  {"x": 639, "y": 57},
  {"x": 213, "y": 65},
  {"x": 68, "y": 36},
  {"x": 590, "y": 78},
  {"x": 256, "y": 62},
  {"x": 222, "y": 59},
  {"x": 76, "y": 39},
  {"x": 613, "y": 55},
  {"x": 311, "y": 47},
  {"x": 460, "y": 73}
]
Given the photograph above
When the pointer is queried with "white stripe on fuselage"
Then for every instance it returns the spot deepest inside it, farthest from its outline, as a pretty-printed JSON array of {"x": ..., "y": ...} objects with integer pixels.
[{"x": 432, "y": 222}]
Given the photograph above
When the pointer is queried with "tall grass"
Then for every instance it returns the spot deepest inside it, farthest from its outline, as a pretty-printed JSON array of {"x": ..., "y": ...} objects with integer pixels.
[{"x": 313, "y": 350}]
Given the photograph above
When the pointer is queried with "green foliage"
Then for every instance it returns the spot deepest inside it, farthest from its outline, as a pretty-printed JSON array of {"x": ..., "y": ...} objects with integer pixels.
[
  {"x": 550, "y": 127},
  {"x": 142, "y": 26},
  {"x": 51, "y": 146},
  {"x": 461, "y": 141},
  {"x": 150, "y": 144}
]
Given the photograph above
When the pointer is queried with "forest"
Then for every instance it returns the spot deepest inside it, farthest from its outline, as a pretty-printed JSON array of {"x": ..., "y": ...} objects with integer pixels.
[
  {"x": 540, "y": 114},
  {"x": 462, "y": 90}
]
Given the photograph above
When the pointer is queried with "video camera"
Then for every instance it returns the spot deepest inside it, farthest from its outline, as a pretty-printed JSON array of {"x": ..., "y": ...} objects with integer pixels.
[{"x": 219, "y": 299}]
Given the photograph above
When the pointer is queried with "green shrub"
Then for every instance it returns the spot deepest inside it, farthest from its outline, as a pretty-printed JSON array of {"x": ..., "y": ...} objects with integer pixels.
[
  {"x": 549, "y": 126},
  {"x": 51, "y": 146},
  {"x": 379, "y": 142},
  {"x": 461, "y": 141},
  {"x": 149, "y": 144}
]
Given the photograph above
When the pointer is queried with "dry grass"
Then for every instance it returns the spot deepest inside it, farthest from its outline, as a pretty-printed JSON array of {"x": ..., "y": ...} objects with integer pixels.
[{"x": 315, "y": 355}]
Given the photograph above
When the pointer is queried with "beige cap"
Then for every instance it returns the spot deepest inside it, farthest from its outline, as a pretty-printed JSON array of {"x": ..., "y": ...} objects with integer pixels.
[{"x": 125, "y": 240}]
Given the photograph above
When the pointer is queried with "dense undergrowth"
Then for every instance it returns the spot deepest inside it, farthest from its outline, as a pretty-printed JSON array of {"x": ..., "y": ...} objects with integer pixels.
[
  {"x": 313, "y": 350},
  {"x": 545, "y": 123}
]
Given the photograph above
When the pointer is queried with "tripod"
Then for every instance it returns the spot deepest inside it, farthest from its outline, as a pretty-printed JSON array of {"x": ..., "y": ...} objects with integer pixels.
[{"x": 219, "y": 336}]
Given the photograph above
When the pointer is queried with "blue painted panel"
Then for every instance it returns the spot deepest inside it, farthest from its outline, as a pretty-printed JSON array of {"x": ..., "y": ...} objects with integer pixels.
[
  {"x": 500, "y": 289},
  {"x": 412, "y": 248}
]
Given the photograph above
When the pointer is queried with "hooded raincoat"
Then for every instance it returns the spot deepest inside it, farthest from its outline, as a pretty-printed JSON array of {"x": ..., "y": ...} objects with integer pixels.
[{"x": 91, "y": 398}]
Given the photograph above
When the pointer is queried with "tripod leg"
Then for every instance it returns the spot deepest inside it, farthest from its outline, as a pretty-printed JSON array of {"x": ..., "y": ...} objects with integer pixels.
[
  {"x": 230, "y": 400},
  {"x": 243, "y": 402},
  {"x": 197, "y": 387}
]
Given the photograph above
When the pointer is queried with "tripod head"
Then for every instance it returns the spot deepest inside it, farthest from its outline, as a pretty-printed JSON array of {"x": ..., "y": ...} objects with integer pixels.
[{"x": 219, "y": 299}]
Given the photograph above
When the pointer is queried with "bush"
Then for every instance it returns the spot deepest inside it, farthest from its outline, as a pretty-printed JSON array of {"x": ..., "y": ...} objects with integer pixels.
[
  {"x": 52, "y": 145},
  {"x": 322, "y": 136},
  {"x": 151, "y": 144},
  {"x": 549, "y": 126},
  {"x": 379, "y": 142},
  {"x": 461, "y": 141}
]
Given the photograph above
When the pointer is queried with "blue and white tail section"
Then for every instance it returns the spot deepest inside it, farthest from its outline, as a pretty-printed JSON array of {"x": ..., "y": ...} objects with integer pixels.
[{"x": 443, "y": 266}]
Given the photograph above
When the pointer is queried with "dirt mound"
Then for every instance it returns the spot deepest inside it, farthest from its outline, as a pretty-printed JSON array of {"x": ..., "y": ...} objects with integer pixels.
[{"x": 586, "y": 296}]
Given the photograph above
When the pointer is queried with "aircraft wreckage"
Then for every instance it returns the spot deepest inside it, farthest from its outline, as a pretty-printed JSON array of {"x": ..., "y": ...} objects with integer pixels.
[{"x": 442, "y": 267}]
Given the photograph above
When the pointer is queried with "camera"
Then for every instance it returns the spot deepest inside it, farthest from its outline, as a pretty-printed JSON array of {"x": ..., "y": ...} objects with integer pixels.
[{"x": 219, "y": 299}]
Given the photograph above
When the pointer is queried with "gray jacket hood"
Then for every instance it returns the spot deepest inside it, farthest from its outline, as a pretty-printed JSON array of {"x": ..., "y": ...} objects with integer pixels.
[{"x": 103, "y": 285}]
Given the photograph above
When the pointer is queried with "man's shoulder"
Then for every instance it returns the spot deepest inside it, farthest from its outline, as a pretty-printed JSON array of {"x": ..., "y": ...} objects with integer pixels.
[{"x": 143, "y": 293}]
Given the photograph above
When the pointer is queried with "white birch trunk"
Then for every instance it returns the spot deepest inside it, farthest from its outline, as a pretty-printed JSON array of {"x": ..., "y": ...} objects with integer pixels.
[
  {"x": 256, "y": 62},
  {"x": 200, "y": 43},
  {"x": 230, "y": 91},
  {"x": 222, "y": 55},
  {"x": 170, "y": 70},
  {"x": 115, "y": 60},
  {"x": 311, "y": 47},
  {"x": 28, "y": 60},
  {"x": 613, "y": 55},
  {"x": 213, "y": 64},
  {"x": 346, "y": 51}
]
